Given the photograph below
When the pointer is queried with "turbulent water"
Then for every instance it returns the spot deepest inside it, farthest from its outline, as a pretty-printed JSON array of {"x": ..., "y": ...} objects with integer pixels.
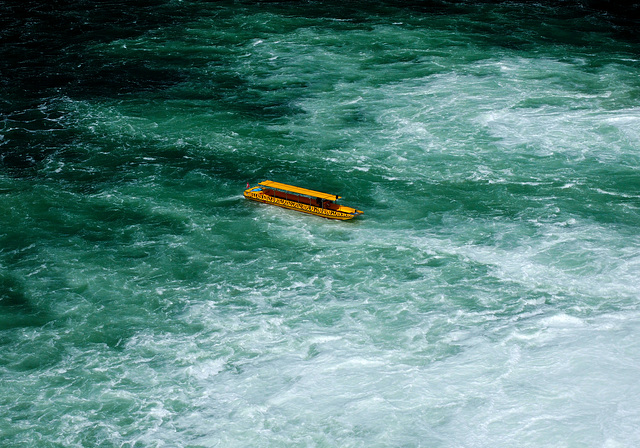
[{"x": 488, "y": 297}]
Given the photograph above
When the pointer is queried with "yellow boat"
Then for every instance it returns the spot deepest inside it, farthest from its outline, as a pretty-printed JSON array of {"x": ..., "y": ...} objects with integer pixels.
[{"x": 300, "y": 199}]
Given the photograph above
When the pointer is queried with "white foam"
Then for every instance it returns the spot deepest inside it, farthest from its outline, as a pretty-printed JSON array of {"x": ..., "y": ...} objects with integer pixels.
[{"x": 562, "y": 320}]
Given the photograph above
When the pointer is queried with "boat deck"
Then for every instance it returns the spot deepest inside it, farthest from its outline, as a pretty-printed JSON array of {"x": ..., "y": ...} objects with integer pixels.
[{"x": 300, "y": 199}]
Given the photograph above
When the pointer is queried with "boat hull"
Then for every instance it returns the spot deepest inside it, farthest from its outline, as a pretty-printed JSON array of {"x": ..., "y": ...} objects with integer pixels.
[{"x": 344, "y": 214}]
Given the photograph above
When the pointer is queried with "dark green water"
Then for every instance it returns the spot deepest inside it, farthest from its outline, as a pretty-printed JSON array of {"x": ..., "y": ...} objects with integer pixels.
[{"x": 488, "y": 297}]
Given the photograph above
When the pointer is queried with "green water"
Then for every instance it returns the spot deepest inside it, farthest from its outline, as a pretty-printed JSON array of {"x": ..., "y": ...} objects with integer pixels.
[{"x": 487, "y": 297}]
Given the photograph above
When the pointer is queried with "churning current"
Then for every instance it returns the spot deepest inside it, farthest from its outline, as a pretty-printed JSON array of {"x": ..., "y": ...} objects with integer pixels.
[{"x": 488, "y": 297}]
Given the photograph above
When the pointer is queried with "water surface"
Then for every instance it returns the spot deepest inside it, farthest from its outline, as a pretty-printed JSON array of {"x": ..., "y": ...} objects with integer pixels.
[{"x": 488, "y": 296}]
